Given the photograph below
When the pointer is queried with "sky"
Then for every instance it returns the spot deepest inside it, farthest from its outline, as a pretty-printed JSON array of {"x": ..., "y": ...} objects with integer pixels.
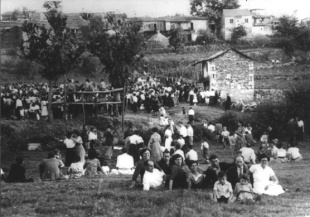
[{"x": 157, "y": 8}]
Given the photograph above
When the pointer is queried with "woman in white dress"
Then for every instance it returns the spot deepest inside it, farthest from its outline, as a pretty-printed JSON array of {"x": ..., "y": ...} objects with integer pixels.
[
  {"x": 44, "y": 111},
  {"x": 168, "y": 138},
  {"x": 265, "y": 180}
]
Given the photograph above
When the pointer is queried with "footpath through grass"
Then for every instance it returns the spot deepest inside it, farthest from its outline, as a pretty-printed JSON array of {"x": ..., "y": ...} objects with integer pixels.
[{"x": 85, "y": 197}]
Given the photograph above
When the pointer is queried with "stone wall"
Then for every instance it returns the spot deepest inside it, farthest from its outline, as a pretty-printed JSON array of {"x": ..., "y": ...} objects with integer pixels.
[
  {"x": 265, "y": 95},
  {"x": 234, "y": 76}
]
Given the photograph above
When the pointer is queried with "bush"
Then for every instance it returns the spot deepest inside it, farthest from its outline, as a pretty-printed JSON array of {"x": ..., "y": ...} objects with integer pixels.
[
  {"x": 205, "y": 37},
  {"x": 237, "y": 33},
  {"x": 255, "y": 41}
]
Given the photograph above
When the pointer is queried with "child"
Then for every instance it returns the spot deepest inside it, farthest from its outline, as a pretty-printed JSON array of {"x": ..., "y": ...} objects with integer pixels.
[
  {"x": 183, "y": 111},
  {"x": 225, "y": 135},
  {"x": 162, "y": 120},
  {"x": 243, "y": 190},
  {"x": 222, "y": 191},
  {"x": 205, "y": 150},
  {"x": 58, "y": 156}
]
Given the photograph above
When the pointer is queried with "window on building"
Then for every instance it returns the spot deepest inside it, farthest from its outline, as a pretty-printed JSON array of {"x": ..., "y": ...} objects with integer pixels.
[
  {"x": 155, "y": 27},
  {"x": 231, "y": 20},
  {"x": 192, "y": 26},
  {"x": 213, "y": 75},
  {"x": 212, "y": 68},
  {"x": 246, "y": 20}
]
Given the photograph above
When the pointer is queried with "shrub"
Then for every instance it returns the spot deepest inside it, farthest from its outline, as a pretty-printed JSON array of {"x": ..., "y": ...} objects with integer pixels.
[
  {"x": 237, "y": 33},
  {"x": 255, "y": 41},
  {"x": 205, "y": 37}
]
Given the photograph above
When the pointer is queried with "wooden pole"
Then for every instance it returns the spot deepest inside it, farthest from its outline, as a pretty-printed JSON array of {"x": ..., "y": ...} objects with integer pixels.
[
  {"x": 65, "y": 104},
  {"x": 123, "y": 108},
  {"x": 84, "y": 119}
]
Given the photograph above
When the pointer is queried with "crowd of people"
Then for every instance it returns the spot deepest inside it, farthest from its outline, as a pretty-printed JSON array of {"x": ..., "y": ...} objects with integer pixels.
[
  {"x": 165, "y": 160},
  {"x": 171, "y": 162}
]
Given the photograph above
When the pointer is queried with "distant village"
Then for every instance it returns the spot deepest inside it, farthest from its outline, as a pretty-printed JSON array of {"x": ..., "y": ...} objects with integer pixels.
[{"x": 255, "y": 22}]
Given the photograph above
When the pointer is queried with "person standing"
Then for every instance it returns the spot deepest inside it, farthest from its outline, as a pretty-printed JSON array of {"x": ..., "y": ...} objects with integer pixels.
[
  {"x": 301, "y": 129},
  {"x": 190, "y": 134},
  {"x": 191, "y": 114},
  {"x": 154, "y": 145},
  {"x": 291, "y": 130},
  {"x": 109, "y": 139},
  {"x": 228, "y": 103}
]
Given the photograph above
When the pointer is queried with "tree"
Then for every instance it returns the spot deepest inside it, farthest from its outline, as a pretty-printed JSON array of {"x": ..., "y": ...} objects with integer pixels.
[
  {"x": 56, "y": 49},
  {"x": 287, "y": 27},
  {"x": 212, "y": 9},
  {"x": 205, "y": 37},
  {"x": 119, "y": 49},
  {"x": 237, "y": 33},
  {"x": 176, "y": 38}
]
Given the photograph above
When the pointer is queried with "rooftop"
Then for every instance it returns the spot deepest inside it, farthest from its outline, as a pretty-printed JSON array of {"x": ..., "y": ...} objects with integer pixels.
[{"x": 236, "y": 12}]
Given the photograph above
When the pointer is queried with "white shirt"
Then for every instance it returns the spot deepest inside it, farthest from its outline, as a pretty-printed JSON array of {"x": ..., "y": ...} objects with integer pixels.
[
  {"x": 191, "y": 112},
  {"x": 125, "y": 161},
  {"x": 190, "y": 131},
  {"x": 162, "y": 111},
  {"x": 192, "y": 155},
  {"x": 294, "y": 152},
  {"x": 181, "y": 141},
  {"x": 69, "y": 143},
  {"x": 261, "y": 177},
  {"x": 225, "y": 134},
  {"x": 248, "y": 154},
  {"x": 204, "y": 145},
  {"x": 281, "y": 153},
  {"x": 19, "y": 103},
  {"x": 134, "y": 139},
  {"x": 152, "y": 180},
  {"x": 92, "y": 136},
  {"x": 211, "y": 128},
  {"x": 180, "y": 152},
  {"x": 183, "y": 131}
]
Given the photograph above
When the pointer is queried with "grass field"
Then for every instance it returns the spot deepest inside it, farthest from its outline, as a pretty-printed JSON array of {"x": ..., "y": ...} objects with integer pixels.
[{"x": 110, "y": 196}]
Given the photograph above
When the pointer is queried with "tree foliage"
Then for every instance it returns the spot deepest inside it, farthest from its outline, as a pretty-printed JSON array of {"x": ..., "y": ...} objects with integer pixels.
[
  {"x": 56, "y": 49},
  {"x": 119, "y": 49},
  {"x": 176, "y": 38},
  {"x": 205, "y": 37},
  {"x": 212, "y": 9},
  {"x": 237, "y": 33}
]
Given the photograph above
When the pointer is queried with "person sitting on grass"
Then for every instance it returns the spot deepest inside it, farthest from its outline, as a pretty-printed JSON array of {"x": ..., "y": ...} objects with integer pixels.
[
  {"x": 281, "y": 154},
  {"x": 293, "y": 154},
  {"x": 191, "y": 155},
  {"x": 205, "y": 149},
  {"x": 179, "y": 151},
  {"x": 244, "y": 190},
  {"x": 145, "y": 153},
  {"x": 76, "y": 170},
  {"x": 194, "y": 178},
  {"x": 213, "y": 170},
  {"x": 222, "y": 190},
  {"x": 125, "y": 163},
  {"x": 178, "y": 174},
  {"x": 49, "y": 168},
  {"x": 153, "y": 178},
  {"x": 265, "y": 180},
  {"x": 92, "y": 166},
  {"x": 17, "y": 172},
  {"x": 248, "y": 154}
]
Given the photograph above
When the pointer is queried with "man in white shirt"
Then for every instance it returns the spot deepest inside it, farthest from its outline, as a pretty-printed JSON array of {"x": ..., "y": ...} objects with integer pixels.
[
  {"x": 92, "y": 134},
  {"x": 248, "y": 154},
  {"x": 153, "y": 178},
  {"x": 191, "y": 155},
  {"x": 183, "y": 130},
  {"x": 190, "y": 134},
  {"x": 191, "y": 114},
  {"x": 162, "y": 111},
  {"x": 125, "y": 163},
  {"x": 211, "y": 128},
  {"x": 181, "y": 141}
]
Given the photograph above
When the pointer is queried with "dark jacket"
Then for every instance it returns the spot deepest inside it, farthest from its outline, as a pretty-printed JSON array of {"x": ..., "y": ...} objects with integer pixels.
[
  {"x": 165, "y": 167},
  {"x": 233, "y": 176},
  {"x": 211, "y": 175},
  {"x": 292, "y": 128}
]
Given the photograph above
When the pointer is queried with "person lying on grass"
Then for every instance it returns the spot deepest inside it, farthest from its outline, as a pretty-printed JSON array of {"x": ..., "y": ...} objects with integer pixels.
[
  {"x": 293, "y": 154},
  {"x": 194, "y": 177},
  {"x": 153, "y": 178},
  {"x": 17, "y": 172},
  {"x": 222, "y": 191},
  {"x": 243, "y": 190},
  {"x": 140, "y": 169}
]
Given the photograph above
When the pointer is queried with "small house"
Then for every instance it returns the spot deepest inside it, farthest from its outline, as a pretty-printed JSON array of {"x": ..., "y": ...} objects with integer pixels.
[{"x": 229, "y": 71}]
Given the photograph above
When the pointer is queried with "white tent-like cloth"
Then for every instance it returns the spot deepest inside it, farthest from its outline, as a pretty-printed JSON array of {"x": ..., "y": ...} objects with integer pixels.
[{"x": 158, "y": 41}]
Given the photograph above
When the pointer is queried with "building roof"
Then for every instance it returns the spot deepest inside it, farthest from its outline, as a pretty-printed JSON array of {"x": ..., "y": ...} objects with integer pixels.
[
  {"x": 167, "y": 19},
  {"x": 221, "y": 53},
  {"x": 236, "y": 12}
]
